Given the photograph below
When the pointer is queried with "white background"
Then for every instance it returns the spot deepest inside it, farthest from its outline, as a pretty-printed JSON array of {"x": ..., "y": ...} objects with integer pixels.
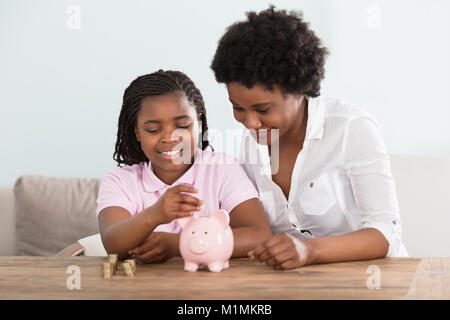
[{"x": 61, "y": 86}]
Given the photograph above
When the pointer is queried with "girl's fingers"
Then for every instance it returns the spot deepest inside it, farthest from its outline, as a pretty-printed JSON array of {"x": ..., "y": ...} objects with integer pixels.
[
  {"x": 183, "y": 207},
  {"x": 149, "y": 254},
  {"x": 146, "y": 246},
  {"x": 156, "y": 258},
  {"x": 185, "y": 198}
]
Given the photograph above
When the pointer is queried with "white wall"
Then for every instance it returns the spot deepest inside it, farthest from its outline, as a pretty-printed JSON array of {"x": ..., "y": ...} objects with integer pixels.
[{"x": 61, "y": 88}]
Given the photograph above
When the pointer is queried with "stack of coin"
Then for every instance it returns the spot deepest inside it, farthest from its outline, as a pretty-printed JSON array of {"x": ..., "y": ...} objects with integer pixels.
[
  {"x": 132, "y": 263},
  {"x": 107, "y": 270},
  {"x": 128, "y": 269},
  {"x": 113, "y": 259}
]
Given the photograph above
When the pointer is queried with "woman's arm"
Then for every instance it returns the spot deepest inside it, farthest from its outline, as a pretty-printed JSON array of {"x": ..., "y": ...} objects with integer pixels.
[
  {"x": 366, "y": 164},
  {"x": 363, "y": 244},
  {"x": 284, "y": 251}
]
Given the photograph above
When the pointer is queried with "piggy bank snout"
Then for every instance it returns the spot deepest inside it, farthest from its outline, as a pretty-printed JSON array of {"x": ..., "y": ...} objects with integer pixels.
[{"x": 199, "y": 245}]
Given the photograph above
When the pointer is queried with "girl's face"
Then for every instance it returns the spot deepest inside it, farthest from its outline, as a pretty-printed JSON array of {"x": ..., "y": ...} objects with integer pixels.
[
  {"x": 168, "y": 128},
  {"x": 261, "y": 111}
]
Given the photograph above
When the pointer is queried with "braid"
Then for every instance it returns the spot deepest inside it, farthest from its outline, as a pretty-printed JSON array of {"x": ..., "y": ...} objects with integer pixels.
[{"x": 128, "y": 150}]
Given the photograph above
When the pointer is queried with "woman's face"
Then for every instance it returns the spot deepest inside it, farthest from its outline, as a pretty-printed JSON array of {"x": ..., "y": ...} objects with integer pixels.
[
  {"x": 168, "y": 128},
  {"x": 263, "y": 111}
]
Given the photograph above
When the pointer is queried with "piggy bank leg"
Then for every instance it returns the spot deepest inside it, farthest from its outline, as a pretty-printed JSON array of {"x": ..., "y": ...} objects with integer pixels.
[
  {"x": 226, "y": 264},
  {"x": 215, "y": 266},
  {"x": 190, "y": 266}
]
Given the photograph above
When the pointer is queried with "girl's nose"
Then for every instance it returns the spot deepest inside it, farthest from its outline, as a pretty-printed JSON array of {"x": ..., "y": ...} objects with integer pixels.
[{"x": 171, "y": 137}]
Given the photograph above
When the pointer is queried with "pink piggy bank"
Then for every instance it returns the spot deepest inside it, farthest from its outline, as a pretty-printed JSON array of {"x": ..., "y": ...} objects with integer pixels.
[{"x": 206, "y": 241}]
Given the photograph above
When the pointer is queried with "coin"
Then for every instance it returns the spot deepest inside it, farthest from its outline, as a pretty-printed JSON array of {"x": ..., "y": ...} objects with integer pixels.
[
  {"x": 128, "y": 269},
  {"x": 107, "y": 270},
  {"x": 132, "y": 263}
]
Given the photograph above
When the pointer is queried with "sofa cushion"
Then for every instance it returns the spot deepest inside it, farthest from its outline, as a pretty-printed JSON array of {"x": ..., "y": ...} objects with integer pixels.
[
  {"x": 7, "y": 222},
  {"x": 52, "y": 213}
]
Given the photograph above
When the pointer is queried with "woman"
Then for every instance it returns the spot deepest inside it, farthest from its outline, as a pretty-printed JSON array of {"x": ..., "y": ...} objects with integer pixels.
[{"x": 328, "y": 193}]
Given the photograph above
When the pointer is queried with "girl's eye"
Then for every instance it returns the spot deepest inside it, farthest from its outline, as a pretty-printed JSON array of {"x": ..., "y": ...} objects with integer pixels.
[
  {"x": 264, "y": 111},
  {"x": 152, "y": 131},
  {"x": 184, "y": 127}
]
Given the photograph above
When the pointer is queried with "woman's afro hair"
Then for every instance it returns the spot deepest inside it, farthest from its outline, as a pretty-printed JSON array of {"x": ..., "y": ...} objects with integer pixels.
[{"x": 272, "y": 48}]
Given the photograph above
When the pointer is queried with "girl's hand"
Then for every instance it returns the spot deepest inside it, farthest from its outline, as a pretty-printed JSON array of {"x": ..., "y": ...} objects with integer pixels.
[
  {"x": 283, "y": 251},
  {"x": 174, "y": 204},
  {"x": 158, "y": 247}
]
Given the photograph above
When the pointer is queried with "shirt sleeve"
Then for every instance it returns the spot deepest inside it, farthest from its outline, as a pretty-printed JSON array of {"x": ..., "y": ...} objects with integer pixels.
[
  {"x": 367, "y": 165},
  {"x": 236, "y": 187},
  {"x": 112, "y": 193}
]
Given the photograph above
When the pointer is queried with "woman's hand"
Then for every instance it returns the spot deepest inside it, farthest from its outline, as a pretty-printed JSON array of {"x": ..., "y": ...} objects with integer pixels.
[
  {"x": 283, "y": 251},
  {"x": 158, "y": 247},
  {"x": 174, "y": 204}
]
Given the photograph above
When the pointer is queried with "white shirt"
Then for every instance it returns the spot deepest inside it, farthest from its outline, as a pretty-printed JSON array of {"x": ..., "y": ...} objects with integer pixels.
[{"x": 341, "y": 181}]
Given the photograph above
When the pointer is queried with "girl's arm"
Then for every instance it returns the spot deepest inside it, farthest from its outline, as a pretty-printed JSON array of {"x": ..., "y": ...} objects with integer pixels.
[
  {"x": 121, "y": 232},
  {"x": 250, "y": 226}
]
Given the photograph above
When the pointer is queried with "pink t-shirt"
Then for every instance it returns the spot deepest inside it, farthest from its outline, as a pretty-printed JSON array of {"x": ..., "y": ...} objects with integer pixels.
[{"x": 219, "y": 178}]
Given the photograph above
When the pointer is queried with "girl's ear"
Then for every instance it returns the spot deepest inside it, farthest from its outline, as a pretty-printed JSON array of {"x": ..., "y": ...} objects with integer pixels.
[
  {"x": 200, "y": 122},
  {"x": 136, "y": 132}
]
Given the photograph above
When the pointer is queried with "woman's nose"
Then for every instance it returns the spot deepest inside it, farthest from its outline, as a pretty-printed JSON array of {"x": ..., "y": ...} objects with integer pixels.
[{"x": 252, "y": 122}]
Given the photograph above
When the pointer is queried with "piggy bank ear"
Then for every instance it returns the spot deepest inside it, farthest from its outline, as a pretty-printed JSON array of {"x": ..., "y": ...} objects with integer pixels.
[
  {"x": 223, "y": 217},
  {"x": 183, "y": 221}
]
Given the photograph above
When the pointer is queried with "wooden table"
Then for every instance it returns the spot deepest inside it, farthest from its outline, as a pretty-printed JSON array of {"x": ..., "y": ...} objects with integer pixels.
[{"x": 400, "y": 278}]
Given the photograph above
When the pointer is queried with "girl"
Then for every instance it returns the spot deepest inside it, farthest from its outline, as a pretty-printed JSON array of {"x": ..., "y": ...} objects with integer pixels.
[
  {"x": 160, "y": 126},
  {"x": 332, "y": 198}
]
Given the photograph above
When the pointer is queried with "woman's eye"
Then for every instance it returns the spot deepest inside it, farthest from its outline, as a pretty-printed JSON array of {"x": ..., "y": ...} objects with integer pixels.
[
  {"x": 238, "y": 109},
  {"x": 184, "y": 127},
  {"x": 264, "y": 111}
]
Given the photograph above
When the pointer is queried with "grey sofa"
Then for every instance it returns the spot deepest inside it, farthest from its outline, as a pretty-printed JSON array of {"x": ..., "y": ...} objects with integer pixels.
[{"x": 42, "y": 215}]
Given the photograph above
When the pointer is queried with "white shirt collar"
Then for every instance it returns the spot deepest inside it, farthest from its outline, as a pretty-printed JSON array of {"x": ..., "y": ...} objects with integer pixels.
[{"x": 316, "y": 118}]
